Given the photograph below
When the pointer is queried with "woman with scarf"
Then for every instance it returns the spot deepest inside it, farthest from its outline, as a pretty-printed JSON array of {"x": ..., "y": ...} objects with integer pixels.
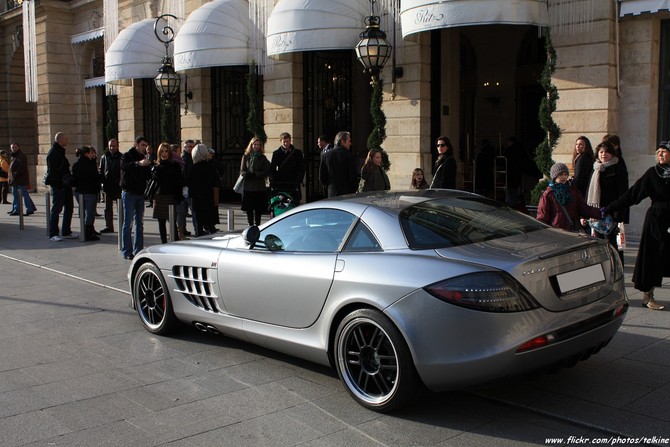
[
  {"x": 444, "y": 175},
  {"x": 608, "y": 182},
  {"x": 255, "y": 168},
  {"x": 561, "y": 205},
  {"x": 651, "y": 264}
]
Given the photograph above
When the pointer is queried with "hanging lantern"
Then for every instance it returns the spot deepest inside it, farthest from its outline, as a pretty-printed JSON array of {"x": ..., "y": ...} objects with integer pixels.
[
  {"x": 373, "y": 50},
  {"x": 168, "y": 81}
]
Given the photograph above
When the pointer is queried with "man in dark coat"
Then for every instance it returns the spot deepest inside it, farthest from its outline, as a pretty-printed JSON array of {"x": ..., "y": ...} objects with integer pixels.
[
  {"x": 135, "y": 170},
  {"x": 59, "y": 178},
  {"x": 337, "y": 171},
  {"x": 287, "y": 169},
  {"x": 19, "y": 180},
  {"x": 110, "y": 170}
]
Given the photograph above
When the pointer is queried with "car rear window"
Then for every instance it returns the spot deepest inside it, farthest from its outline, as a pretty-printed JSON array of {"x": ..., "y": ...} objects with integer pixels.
[{"x": 451, "y": 222}]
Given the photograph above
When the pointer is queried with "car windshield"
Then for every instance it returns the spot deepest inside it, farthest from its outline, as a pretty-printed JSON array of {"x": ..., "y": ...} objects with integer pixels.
[{"x": 451, "y": 222}]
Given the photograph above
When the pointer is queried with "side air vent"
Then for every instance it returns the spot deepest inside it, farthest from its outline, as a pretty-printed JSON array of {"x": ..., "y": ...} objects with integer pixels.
[{"x": 195, "y": 284}]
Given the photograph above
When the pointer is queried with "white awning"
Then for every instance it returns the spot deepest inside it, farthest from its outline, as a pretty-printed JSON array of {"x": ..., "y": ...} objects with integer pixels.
[
  {"x": 94, "y": 82},
  {"x": 637, "y": 7},
  {"x": 309, "y": 25},
  {"x": 86, "y": 36},
  {"x": 135, "y": 53},
  {"x": 424, "y": 15},
  {"x": 214, "y": 35}
]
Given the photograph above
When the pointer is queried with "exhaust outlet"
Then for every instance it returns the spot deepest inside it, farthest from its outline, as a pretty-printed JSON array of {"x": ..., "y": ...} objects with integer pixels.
[
  {"x": 199, "y": 326},
  {"x": 213, "y": 330}
]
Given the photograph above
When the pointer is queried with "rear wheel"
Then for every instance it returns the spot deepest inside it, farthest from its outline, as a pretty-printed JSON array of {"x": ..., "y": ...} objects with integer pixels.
[
  {"x": 152, "y": 300},
  {"x": 374, "y": 361}
]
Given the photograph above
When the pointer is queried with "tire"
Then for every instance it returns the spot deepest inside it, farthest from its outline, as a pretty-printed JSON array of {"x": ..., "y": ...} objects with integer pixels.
[
  {"x": 152, "y": 300},
  {"x": 374, "y": 362}
]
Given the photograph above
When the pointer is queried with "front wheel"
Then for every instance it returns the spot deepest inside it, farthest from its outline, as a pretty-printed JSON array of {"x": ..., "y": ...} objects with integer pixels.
[
  {"x": 152, "y": 300},
  {"x": 374, "y": 361}
]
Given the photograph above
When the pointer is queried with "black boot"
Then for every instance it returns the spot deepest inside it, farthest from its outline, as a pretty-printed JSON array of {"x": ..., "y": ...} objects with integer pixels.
[{"x": 89, "y": 235}]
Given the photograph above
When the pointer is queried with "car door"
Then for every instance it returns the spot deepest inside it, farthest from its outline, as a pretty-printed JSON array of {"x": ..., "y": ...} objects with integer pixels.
[{"x": 286, "y": 278}]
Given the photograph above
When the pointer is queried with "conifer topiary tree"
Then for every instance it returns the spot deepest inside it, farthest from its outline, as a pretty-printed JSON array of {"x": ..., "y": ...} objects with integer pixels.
[
  {"x": 378, "y": 134},
  {"x": 255, "y": 116},
  {"x": 543, "y": 152}
]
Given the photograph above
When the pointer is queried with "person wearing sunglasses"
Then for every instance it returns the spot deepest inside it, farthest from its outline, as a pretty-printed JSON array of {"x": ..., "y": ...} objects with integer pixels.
[
  {"x": 444, "y": 175},
  {"x": 651, "y": 264}
]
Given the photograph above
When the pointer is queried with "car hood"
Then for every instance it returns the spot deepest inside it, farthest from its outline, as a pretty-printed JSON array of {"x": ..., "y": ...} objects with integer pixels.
[{"x": 551, "y": 264}]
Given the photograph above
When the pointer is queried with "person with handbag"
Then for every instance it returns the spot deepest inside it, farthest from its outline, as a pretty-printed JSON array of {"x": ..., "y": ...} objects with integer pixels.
[
  {"x": 86, "y": 180},
  {"x": 254, "y": 168},
  {"x": 59, "y": 177},
  {"x": 167, "y": 175},
  {"x": 561, "y": 204}
]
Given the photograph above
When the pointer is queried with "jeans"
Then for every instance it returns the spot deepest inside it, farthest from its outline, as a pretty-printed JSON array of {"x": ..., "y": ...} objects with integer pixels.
[
  {"x": 133, "y": 209},
  {"x": 28, "y": 205},
  {"x": 61, "y": 200},
  {"x": 90, "y": 204}
]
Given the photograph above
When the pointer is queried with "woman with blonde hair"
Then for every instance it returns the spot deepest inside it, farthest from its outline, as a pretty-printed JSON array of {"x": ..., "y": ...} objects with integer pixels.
[
  {"x": 255, "y": 168},
  {"x": 168, "y": 175}
]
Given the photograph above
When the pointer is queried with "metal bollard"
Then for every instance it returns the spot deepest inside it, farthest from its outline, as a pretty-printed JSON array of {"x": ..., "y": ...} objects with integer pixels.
[
  {"x": 171, "y": 222},
  {"x": 119, "y": 223},
  {"x": 47, "y": 207},
  {"x": 230, "y": 219},
  {"x": 82, "y": 214},
  {"x": 21, "y": 217}
]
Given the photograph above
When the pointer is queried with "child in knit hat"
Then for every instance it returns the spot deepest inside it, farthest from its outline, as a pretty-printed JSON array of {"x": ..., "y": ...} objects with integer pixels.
[{"x": 561, "y": 204}]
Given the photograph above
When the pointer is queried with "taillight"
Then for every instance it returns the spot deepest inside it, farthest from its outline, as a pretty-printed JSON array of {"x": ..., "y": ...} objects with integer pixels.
[
  {"x": 487, "y": 291},
  {"x": 537, "y": 342}
]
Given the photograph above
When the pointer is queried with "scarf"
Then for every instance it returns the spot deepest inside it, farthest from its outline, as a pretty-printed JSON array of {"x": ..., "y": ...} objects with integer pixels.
[
  {"x": 663, "y": 171},
  {"x": 561, "y": 192},
  {"x": 593, "y": 195}
]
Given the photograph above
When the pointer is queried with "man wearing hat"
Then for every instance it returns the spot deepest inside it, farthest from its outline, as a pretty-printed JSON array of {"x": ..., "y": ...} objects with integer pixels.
[{"x": 561, "y": 204}]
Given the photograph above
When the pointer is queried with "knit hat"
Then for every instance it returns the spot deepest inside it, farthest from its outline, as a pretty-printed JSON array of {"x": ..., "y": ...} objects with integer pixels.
[{"x": 556, "y": 170}]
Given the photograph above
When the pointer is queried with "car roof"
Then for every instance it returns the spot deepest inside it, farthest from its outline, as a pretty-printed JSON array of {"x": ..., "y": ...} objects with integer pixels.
[{"x": 395, "y": 201}]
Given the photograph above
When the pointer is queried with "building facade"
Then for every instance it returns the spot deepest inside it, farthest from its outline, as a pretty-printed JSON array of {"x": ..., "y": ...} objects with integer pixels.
[{"x": 461, "y": 69}]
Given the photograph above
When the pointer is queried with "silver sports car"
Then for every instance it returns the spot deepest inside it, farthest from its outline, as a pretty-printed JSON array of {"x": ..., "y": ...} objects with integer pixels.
[{"x": 397, "y": 291}]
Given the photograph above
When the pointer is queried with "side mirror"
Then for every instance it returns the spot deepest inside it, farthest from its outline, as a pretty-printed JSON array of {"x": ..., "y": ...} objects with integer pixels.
[{"x": 251, "y": 236}]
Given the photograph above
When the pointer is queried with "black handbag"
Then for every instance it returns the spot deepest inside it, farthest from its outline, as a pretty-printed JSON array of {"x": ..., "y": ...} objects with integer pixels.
[{"x": 150, "y": 189}]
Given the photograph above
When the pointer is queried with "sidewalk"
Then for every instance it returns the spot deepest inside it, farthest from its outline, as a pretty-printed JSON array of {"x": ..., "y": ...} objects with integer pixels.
[{"x": 99, "y": 261}]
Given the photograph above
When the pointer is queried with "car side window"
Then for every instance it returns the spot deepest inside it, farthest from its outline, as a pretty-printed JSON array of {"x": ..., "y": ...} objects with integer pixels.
[
  {"x": 362, "y": 239},
  {"x": 316, "y": 231}
]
